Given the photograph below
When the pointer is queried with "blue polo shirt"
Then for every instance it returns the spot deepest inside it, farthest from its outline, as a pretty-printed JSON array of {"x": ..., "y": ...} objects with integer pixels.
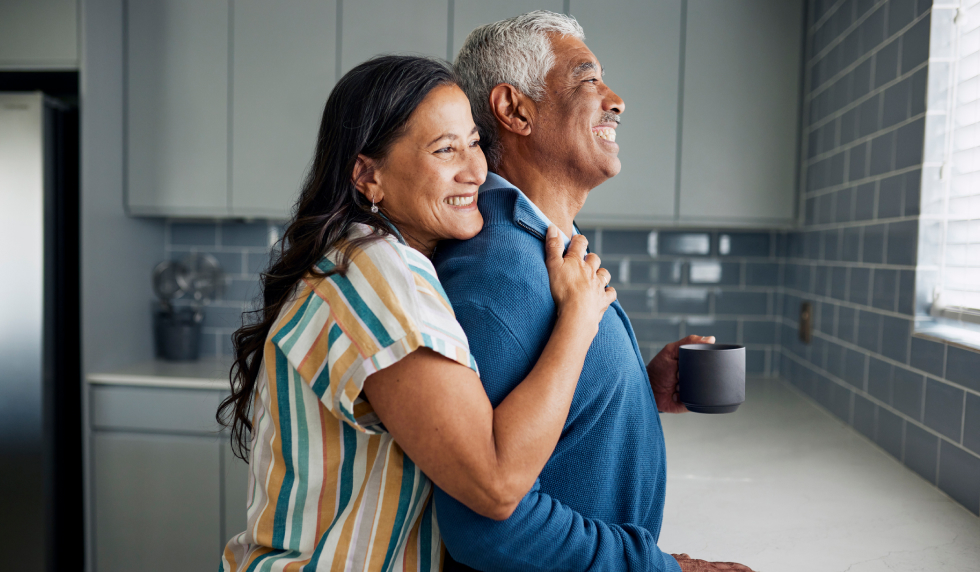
[{"x": 598, "y": 503}]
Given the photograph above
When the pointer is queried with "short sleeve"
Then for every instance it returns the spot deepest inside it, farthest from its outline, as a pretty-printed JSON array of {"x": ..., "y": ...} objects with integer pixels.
[{"x": 340, "y": 329}]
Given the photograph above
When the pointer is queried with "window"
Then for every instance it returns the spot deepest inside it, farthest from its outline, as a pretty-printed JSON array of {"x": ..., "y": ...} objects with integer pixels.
[{"x": 952, "y": 269}]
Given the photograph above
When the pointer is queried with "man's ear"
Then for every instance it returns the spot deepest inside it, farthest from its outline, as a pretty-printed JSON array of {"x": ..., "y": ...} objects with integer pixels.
[
  {"x": 513, "y": 110},
  {"x": 366, "y": 180}
]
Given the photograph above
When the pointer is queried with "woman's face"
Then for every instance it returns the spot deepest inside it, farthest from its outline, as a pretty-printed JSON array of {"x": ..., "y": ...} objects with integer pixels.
[{"x": 428, "y": 183}]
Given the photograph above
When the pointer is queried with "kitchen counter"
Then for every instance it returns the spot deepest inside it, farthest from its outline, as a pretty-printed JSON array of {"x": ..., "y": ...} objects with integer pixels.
[
  {"x": 782, "y": 485},
  {"x": 205, "y": 373}
]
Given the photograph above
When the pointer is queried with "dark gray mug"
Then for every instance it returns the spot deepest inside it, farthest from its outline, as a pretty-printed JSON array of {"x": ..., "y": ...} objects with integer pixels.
[{"x": 712, "y": 377}]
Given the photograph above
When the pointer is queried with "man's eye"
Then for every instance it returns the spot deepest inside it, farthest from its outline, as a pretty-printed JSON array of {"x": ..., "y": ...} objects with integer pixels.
[{"x": 592, "y": 80}]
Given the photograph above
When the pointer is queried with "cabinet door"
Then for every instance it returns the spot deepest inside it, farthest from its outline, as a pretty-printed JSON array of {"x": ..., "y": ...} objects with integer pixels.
[
  {"x": 234, "y": 491},
  {"x": 39, "y": 34},
  {"x": 372, "y": 27},
  {"x": 741, "y": 101},
  {"x": 156, "y": 502},
  {"x": 638, "y": 44},
  {"x": 177, "y": 107},
  {"x": 468, "y": 14},
  {"x": 285, "y": 65}
]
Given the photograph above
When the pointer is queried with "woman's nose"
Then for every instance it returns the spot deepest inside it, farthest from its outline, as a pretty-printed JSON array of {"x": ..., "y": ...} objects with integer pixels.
[{"x": 475, "y": 169}]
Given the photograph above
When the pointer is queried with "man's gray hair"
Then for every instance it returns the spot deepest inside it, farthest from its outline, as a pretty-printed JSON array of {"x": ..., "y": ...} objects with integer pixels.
[{"x": 516, "y": 51}]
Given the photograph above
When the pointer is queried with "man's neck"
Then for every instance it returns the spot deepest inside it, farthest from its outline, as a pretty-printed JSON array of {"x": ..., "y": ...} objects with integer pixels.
[{"x": 556, "y": 197}]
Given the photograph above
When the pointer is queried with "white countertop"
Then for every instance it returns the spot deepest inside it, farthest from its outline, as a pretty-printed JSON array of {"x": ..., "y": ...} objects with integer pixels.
[
  {"x": 205, "y": 373},
  {"x": 782, "y": 485}
]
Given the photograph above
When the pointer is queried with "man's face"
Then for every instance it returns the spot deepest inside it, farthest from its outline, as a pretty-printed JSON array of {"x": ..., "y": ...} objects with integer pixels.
[{"x": 577, "y": 120}]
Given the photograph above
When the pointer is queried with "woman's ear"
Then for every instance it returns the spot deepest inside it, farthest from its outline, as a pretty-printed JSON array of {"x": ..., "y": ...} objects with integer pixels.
[
  {"x": 365, "y": 179},
  {"x": 513, "y": 109}
]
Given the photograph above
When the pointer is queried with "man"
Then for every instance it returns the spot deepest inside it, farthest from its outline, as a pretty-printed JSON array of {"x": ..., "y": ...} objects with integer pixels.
[{"x": 547, "y": 125}]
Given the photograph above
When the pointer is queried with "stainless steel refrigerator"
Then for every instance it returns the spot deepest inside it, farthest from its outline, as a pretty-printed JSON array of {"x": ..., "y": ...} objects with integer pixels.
[{"x": 40, "y": 405}]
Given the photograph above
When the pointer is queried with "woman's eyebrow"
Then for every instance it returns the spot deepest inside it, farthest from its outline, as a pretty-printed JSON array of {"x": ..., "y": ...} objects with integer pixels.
[{"x": 450, "y": 136}]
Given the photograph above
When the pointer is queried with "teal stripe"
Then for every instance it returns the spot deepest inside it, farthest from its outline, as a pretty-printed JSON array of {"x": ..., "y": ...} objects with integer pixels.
[
  {"x": 425, "y": 539},
  {"x": 258, "y": 561},
  {"x": 282, "y": 555},
  {"x": 302, "y": 461},
  {"x": 362, "y": 310},
  {"x": 286, "y": 437},
  {"x": 286, "y": 329},
  {"x": 432, "y": 280},
  {"x": 314, "y": 304},
  {"x": 460, "y": 342},
  {"x": 322, "y": 381},
  {"x": 404, "y": 499}
]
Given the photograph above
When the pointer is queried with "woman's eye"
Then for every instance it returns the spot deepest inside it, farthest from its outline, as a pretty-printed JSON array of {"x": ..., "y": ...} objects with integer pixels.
[
  {"x": 444, "y": 150},
  {"x": 475, "y": 143}
]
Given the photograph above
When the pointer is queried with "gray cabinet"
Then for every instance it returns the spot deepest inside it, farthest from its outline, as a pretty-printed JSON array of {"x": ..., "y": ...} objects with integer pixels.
[
  {"x": 167, "y": 493},
  {"x": 741, "y": 106},
  {"x": 638, "y": 44},
  {"x": 177, "y": 107},
  {"x": 284, "y": 66},
  {"x": 468, "y": 14},
  {"x": 38, "y": 34},
  {"x": 372, "y": 27}
]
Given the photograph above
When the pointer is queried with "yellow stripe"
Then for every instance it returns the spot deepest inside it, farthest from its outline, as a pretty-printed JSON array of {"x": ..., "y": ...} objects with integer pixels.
[
  {"x": 347, "y": 532},
  {"x": 346, "y": 319},
  {"x": 388, "y": 506},
  {"x": 381, "y": 287},
  {"x": 423, "y": 284}
]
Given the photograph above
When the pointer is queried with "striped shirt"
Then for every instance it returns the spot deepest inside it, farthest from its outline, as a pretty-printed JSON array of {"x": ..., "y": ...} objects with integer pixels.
[{"x": 329, "y": 489}]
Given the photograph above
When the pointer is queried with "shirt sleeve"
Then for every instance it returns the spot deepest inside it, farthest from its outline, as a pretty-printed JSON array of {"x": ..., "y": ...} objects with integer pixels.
[{"x": 342, "y": 328}]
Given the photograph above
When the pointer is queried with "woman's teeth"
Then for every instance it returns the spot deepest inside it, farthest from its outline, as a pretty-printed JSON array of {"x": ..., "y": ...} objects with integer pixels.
[
  {"x": 460, "y": 201},
  {"x": 607, "y": 133}
]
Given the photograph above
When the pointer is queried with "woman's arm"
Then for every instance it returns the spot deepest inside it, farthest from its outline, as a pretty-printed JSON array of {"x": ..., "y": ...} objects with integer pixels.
[{"x": 439, "y": 413}]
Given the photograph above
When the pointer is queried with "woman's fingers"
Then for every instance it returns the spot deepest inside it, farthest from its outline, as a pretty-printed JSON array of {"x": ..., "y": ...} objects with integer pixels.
[
  {"x": 577, "y": 247},
  {"x": 552, "y": 249},
  {"x": 604, "y": 277}
]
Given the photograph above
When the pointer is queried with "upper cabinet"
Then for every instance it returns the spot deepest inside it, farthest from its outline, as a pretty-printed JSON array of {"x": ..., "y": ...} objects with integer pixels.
[
  {"x": 224, "y": 99},
  {"x": 38, "y": 34},
  {"x": 638, "y": 46},
  {"x": 740, "y": 111},
  {"x": 284, "y": 66}
]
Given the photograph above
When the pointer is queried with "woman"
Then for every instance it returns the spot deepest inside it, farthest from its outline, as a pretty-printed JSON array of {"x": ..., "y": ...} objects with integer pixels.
[{"x": 359, "y": 379}]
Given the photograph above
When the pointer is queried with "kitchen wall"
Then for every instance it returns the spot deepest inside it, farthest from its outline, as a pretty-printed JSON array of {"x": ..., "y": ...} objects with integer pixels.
[{"x": 855, "y": 257}]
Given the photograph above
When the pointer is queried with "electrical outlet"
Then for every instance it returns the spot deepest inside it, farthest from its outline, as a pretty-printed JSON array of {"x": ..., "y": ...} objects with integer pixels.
[{"x": 806, "y": 322}]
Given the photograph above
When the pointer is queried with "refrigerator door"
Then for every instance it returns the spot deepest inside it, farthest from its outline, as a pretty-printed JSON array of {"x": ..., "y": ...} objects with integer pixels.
[{"x": 22, "y": 169}]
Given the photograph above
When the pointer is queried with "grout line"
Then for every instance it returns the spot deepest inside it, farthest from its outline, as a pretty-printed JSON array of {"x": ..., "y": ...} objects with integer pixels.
[{"x": 680, "y": 110}]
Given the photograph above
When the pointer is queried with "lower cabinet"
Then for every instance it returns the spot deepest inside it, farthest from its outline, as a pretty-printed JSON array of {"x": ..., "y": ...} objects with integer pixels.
[{"x": 167, "y": 492}]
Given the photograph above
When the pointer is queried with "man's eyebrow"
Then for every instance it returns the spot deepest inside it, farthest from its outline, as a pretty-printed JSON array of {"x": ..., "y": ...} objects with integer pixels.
[{"x": 586, "y": 67}]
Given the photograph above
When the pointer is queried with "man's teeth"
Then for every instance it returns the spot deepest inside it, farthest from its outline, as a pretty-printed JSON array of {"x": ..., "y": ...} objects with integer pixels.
[
  {"x": 606, "y": 133},
  {"x": 460, "y": 201}
]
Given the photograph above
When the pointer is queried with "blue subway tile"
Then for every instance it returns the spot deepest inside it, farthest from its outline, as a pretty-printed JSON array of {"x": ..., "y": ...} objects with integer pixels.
[
  {"x": 742, "y": 303},
  {"x": 971, "y": 424},
  {"x": 890, "y": 196},
  {"x": 241, "y": 290},
  {"x": 922, "y": 6},
  {"x": 895, "y": 333},
  {"x": 714, "y": 272},
  {"x": 634, "y": 301},
  {"x": 222, "y": 317},
  {"x": 724, "y": 331},
  {"x": 821, "y": 282},
  {"x": 193, "y": 234},
  {"x": 838, "y": 282},
  {"x": 625, "y": 242},
  {"x": 895, "y": 107},
  {"x": 886, "y": 63},
  {"x": 860, "y": 285},
  {"x": 245, "y": 234},
  {"x": 903, "y": 242},
  {"x": 849, "y": 126},
  {"x": 589, "y": 234},
  {"x": 835, "y": 169},
  {"x": 915, "y": 45},
  {"x": 761, "y": 273},
  {"x": 257, "y": 262},
  {"x": 882, "y": 153},
  {"x": 873, "y": 30},
  {"x": 684, "y": 243},
  {"x": 840, "y": 402},
  {"x": 831, "y": 244},
  {"x": 825, "y": 209},
  {"x": 835, "y": 359},
  {"x": 744, "y": 244},
  {"x": 861, "y": 7},
  {"x": 944, "y": 408},
  {"x": 958, "y": 472},
  {"x": 656, "y": 329},
  {"x": 754, "y": 332},
  {"x": 908, "y": 144},
  {"x": 884, "y": 289},
  {"x": 864, "y": 416},
  {"x": 963, "y": 367},
  {"x": 844, "y": 205},
  {"x": 810, "y": 217},
  {"x": 906, "y": 292},
  {"x": 921, "y": 451},
  {"x": 864, "y": 202},
  {"x": 880, "y": 374},
  {"x": 818, "y": 352},
  {"x": 858, "y": 162},
  {"x": 907, "y": 388},
  {"x": 918, "y": 92},
  {"x": 874, "y": 244},
  {"x": 755, "y": 362},
  {"x": 847, "y": 324},
  {"x": 851, "y": 244},
  {"x": 683, "y": 301},
  {"x": 656, "y": 272},
  {"x": 869, "y": 330},
  {"x": 900, "y": 14},
  {"x": 811, "y": 245},
  {"x": 826, "y": 318},
  {"x": 855, "y": 364},
  {"x": 868, "y": 120},
  {"x": 888, "y": 433},
  {"x": 928, "y": 356},
  {"x": 851, "y": 48},
  {"x": 913, "y": 184}
]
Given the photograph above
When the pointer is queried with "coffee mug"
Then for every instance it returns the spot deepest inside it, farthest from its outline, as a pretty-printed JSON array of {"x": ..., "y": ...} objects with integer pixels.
[{"x": 712, "y": 377}]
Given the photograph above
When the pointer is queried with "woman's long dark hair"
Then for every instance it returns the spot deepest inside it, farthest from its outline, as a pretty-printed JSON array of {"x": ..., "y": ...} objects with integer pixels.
[{"x": 366, "y": 113}]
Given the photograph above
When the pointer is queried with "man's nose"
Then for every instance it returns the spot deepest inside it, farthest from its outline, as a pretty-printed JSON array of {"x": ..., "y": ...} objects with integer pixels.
[{"x": 612, "y": 102}]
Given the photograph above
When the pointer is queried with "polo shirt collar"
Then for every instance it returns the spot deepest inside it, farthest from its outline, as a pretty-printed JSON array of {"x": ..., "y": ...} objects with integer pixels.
[{"x": 526, "y": 214}]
